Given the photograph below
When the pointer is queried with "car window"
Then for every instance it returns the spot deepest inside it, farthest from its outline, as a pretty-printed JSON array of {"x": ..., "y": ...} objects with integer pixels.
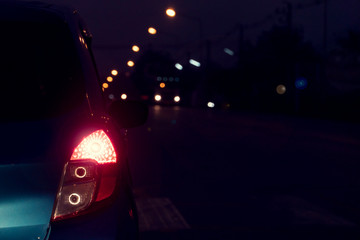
[{"x": 40, "y": 72}]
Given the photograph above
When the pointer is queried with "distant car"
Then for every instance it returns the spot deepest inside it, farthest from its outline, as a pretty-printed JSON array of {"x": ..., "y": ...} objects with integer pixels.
[
  {"x": 167, "y": 97},
  {"x": 63, "y": 166},
  {"x": 167, "y": 93}
]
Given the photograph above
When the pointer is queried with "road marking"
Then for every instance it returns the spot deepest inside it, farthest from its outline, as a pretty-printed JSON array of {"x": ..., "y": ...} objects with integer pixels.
[{"x": 159, "y": 214}]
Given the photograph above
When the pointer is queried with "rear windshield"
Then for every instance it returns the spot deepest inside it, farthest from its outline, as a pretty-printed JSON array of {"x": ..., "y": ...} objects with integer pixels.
[{"x": 40, "y": 73}]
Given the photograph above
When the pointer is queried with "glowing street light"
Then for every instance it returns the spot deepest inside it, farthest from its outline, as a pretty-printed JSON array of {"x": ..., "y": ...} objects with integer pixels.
[
  {"x": 229, "y": 51},
  {"x": 179, "y": 66},
  {"x": 114, "y": 72},
  {"x": 135, "y": 48},
  {"x": 130, "y": 63},
  {"x": 109, "y": 79},
  {"x": 152, "y": 30},
  {"x": 105, "y": 85},
  {"x": 170, "y": 12},
  {"x": 162, "y": 85},
  {"x": 194, "y": 63}
]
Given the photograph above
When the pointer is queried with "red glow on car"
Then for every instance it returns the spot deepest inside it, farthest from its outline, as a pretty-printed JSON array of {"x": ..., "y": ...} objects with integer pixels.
[{"x": 96, "y": 146}]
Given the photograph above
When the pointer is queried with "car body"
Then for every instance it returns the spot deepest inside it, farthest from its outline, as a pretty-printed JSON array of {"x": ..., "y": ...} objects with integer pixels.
[{"x": 63, "y": 169}]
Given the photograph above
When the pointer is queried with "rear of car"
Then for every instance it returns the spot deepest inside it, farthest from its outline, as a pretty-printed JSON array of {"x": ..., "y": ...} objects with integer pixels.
[
  {"x": 167, "y": 96},
  {"x": 63, "y": 167}
]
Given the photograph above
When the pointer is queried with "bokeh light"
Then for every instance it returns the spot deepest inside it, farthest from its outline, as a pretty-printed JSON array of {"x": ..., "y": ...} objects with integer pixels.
[
  {"x": 130, "y": 63},
  {"x": 170, "y": 12},
  {"x": 152, "y": 30},
  {"x": 179, "y": 66},
  {"x": 157, "y": 97},
  {"x": 301, "y": 83},
  {"x": 211, "y": 104},
  {"x": 105, "y": 85},
  {"x": 194, "y": 63},
  {"x": 135, "y": 48},
  {"x": 162, "y": 85},
  {"x": 114, "y": 72},
  {"x": 280, "y": 89},
  {"x": 123, "y": 96},
  {"x": 109, "y": 79}
]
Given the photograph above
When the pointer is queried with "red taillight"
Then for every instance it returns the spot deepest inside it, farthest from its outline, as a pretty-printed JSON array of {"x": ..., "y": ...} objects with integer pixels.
[
  {"x": 96, "y": 146},
  {"x": 89, "y": 176}
]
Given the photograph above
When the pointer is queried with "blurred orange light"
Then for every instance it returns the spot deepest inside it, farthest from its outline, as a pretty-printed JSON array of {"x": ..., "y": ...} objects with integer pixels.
[
  {"x": 109, "y": 79},
  {"x": 162, "y": 85},
  {"x": 114, "y": 72},
  {"x": 105, "y": 85},
  {"x": 170, "y": 12},
  {"x": 130, "y": 63},
  {"x": 280, "y": 89},
  {"x": 135, "y": 48},
  {"x": 152, "y": 30}
]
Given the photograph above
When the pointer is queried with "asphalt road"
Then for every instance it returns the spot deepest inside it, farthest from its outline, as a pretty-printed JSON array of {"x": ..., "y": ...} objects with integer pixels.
[{"x": 210, "y": 174}]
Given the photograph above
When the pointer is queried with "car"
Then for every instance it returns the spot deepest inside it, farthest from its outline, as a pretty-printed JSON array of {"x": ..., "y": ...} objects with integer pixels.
[
  {"x": 167, "y": 93},
  {"x": 64, "y": 171}
]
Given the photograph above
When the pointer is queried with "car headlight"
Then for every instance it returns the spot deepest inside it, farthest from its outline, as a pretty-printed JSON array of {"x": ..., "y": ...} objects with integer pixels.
[
  {"x": 123, "y": 96},
  {"x": 157, "y": 97}
]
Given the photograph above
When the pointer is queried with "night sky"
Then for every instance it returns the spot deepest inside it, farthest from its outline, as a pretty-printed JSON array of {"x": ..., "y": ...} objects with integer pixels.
[{"x": 116, "y": 25}]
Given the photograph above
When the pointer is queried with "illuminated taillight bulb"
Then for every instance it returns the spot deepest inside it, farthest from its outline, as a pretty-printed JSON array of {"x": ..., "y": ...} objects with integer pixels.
[
  {"x": 80, "y": 172},
  {"x": 74, "y": 199},
  {"x": 90, "y": 176}
]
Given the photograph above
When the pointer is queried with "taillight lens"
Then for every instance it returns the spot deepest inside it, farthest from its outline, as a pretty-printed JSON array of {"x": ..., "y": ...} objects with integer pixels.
[
  {"x": 96, "y": 146},
  {"x": 89, "y": 176}
]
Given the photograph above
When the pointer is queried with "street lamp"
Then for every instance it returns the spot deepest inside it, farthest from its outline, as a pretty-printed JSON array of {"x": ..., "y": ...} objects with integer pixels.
[
  {"x": 194, "y": 63},
  {"x": 135, "y": 48},
  {"x": 130, "y": 63},
  {"x": 152, "y": 30},
  {"x": 109, "y": 79},
  {"x": 114, "y": 72},
  {"x": 170, "y": 12},
  {"x": 179, "y": 66}
]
